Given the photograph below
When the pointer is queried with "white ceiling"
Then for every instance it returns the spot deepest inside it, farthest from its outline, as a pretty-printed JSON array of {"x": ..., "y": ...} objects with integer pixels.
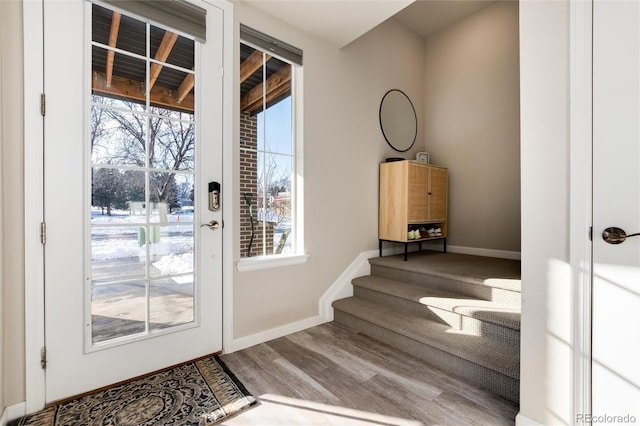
[
  {"x": 342, "y": 21},
  {"x": 425, "y": 17},
  {"x": 336, "y": 21}
]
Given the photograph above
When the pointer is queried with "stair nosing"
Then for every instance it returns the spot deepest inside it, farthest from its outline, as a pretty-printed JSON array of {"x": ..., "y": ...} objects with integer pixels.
[{"x": 460, "y": 349}]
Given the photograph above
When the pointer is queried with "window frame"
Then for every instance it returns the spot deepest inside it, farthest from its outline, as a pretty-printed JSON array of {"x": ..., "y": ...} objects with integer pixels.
[{"x": 298, "y": 255}]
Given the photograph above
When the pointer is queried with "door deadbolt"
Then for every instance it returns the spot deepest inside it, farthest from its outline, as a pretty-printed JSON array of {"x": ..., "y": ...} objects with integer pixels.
[
  {"x": 615, "y": 235},
  {"x": 213, "y": 225}
]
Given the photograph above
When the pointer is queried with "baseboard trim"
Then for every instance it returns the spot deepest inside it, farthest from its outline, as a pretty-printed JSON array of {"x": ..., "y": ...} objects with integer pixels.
[
  {"x": 522, "y": 420},
  {"x": 13, "y": 412},
  {"x": 475, "y": 251},
  {"x": 502, "y": 254},
  {"x": 342, "y": 287},
  {"x": 273, "y": 333}
]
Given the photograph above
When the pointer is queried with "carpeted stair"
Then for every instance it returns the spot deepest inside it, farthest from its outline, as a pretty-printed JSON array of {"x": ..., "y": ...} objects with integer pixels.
[{"x": 458, "y": 312}]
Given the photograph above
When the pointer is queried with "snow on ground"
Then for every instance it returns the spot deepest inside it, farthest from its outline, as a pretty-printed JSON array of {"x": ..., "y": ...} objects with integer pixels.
[
  {"x": 176, "y": 264},
  {"x": 110, "y": 241}
]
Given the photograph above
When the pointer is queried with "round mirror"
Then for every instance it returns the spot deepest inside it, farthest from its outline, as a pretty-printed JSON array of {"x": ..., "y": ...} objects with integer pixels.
[{"x": 398, "y": 120}]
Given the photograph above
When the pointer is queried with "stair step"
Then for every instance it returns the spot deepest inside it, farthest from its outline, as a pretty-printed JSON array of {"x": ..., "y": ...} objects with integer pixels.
[
  {"x": 493, "y": 279},
  {"x": 478, "y": 349},
  {"x": 479, "y": 317},
  {"x": 479, "y": 359}
]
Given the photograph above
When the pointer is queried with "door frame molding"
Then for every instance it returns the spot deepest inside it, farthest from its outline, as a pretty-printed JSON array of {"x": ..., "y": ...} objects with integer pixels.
[
  {"x": 581, "y": 199},
  {"x": 33, "y": 15},
  {"x": 33, "y": 32}
]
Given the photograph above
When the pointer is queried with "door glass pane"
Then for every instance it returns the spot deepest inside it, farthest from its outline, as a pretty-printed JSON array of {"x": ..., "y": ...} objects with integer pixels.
[
  {"x": 170, "y": 48},
  {"x": 117, "y": 253},
  {"x": 123, "y": 32},
  {"x": 173, "y": 252},
  {"x": 171, "y": 301},
  {"x": 117, "y": 196},
  {"x": 142, "y": 171},
  {"x": 168, "y": 193},
  {"x": 172, "y": 141},
  {"x": 117, "y": 310}
]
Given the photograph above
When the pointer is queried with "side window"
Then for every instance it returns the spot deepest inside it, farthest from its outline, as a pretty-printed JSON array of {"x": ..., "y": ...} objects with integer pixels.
[{"x": 268, "y": 170}]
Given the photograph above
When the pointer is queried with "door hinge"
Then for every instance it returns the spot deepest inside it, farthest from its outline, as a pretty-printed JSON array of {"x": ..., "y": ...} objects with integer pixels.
[
  {"x": 43, "y": 104},
  {"x": 43, "y": 357},
  {"x": 221, "y": 71},
  {"x": 591, "y": 233},
  {"x": 43, "y": 233}
]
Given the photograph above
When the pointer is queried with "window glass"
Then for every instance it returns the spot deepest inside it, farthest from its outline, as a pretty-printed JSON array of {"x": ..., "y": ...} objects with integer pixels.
[{"x": 267, "y": 154}]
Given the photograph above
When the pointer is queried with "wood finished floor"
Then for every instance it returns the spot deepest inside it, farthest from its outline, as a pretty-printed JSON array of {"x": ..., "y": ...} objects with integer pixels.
[{"x": 330, "y": 375}]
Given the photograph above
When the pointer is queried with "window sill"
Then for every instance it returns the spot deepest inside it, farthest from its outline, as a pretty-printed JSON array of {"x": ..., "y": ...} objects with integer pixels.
[{"x": 267, "y": 262}]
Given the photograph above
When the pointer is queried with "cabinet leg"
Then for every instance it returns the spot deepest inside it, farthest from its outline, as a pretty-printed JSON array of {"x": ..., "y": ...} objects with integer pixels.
[
  {"x": 406, "y": 250},
  {"x": 444, "y": 245},
  {"x": 380, "y": 247}
]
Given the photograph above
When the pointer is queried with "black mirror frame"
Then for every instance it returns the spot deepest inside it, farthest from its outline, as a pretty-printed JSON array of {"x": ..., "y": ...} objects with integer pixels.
[{"x": 415, "y": 116}]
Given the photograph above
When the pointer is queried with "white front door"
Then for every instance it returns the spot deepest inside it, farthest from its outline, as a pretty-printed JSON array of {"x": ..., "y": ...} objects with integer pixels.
[
  {"x": 616, "y": 197},
  {"x": 133, "y": 137}
]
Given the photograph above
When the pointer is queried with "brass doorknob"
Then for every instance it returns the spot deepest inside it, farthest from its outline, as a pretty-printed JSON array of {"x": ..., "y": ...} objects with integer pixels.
[{"x": 213, "y": 225}]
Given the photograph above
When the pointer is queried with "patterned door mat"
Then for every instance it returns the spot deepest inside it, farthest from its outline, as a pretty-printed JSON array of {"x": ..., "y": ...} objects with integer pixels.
[{"x": 201, "y": 392}]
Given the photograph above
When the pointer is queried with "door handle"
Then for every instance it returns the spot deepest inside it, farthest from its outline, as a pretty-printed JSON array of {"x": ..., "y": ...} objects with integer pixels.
[
  {"x": 615, "y": 235},
  {"x": 213, "y": 225}
]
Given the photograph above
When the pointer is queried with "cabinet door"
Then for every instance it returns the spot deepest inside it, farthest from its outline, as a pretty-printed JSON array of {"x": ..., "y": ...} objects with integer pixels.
[
  {"x": 418, "y": 207},
  {"x": 437, "y": 194},
  {"x": 393, "y": 201}
]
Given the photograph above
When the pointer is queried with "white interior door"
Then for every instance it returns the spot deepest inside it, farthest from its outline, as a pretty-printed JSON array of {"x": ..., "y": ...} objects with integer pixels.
[
  {"x": 616, "y": 269},
  {"x": 133, "y": 137}
]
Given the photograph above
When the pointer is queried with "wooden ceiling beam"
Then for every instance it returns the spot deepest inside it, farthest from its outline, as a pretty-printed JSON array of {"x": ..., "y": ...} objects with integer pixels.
[
  {"x": 168, "y": 40},
  {"x": 130, "y": 89},
  {"x": 253, "y": 99},
  {"x": 113, "y": 39},
  {"x": 252, "y": 64},
  {"x": 275, "y": 93},
  {"x": 185, "y": 87}
]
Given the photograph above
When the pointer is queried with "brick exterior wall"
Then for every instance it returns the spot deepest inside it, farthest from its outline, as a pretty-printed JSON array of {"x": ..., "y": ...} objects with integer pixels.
[{"x": 249, "y": 184}]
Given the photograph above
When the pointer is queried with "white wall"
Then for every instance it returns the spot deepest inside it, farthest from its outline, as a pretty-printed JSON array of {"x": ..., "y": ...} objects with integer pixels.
[
  {"x": 472, "y": 125},
  {"x": 343, "y": 146},
  {"x": 546, "y": 345},
  {"x": 12, "y": 271},
  {"x": 2, "y": 60}
]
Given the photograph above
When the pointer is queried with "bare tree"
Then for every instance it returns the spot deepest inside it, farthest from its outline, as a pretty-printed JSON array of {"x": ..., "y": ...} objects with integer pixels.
[
  {"x": 119, "y": 137},
  {"x": 273, "y": 183}
]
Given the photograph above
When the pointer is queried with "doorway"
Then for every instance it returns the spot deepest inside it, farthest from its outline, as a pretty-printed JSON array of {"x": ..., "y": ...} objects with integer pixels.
[{"x": 133, "y": 282}]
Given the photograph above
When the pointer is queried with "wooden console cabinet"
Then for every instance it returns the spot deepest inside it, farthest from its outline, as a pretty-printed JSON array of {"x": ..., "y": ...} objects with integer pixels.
[{"x": 413, "y": 196}]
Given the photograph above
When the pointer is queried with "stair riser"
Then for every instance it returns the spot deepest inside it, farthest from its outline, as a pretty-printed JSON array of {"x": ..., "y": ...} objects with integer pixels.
[
  {"x": 398, "y": 303},
  {"x": 456, "y": 321},
  {"x": 440, "y": 283},
  {"x": 480, "y": 376},
  {"x": 501, "y": 334}
]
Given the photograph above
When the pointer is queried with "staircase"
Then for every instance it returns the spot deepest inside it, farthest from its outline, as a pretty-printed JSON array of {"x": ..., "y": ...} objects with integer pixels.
[{"x": 459, "y": 313}]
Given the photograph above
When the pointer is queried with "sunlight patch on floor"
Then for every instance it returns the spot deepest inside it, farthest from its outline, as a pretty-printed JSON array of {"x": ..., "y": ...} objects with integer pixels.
[{"x": 277, "y": 409}]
